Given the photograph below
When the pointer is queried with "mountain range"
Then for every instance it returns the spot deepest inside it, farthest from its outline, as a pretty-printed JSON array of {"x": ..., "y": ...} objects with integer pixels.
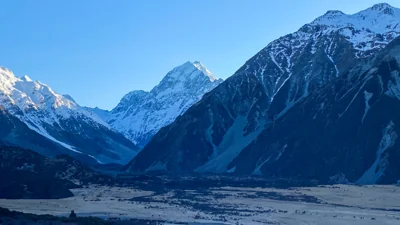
[
  {"x": 30, "y": 108},
  {"x": 319, "y": 103},
  {"x": 36, "y": 117}
]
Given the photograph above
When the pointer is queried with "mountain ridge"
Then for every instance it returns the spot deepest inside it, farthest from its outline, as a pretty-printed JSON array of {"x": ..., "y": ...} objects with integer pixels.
[
  {"x": 140, "y": 114},
  {"x": 61, "y": 120},
  {"x": 348, "y": 129}
]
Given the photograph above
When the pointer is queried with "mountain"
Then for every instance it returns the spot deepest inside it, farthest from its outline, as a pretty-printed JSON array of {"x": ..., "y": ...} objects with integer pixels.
[
  {"x": 26, "y": 174},
  {"x": 16, "y": 133},
  {"x": 220, "y": 133},
  {"x": 347, "y": 130},
  {"x": 58, "y": 123},
  {"x": 141, "y": 114}
]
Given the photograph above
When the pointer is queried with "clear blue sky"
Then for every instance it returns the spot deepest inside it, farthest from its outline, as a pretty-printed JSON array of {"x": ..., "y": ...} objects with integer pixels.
[{"x": 99, "y": 50}]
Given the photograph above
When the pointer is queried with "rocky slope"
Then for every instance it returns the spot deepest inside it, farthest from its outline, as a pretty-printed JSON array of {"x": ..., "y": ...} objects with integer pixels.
[
  {"x": 211, "y": 136},
  {"x": 141, "y": 114},
  {"x": 16, "y": 133},
  {"x": 59, "y": 119},
  {"x": 345, "y": 132}
]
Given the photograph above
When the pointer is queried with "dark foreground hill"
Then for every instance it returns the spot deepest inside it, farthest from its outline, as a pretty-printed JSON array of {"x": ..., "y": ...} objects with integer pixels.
[{"x": 28, "y": 175}]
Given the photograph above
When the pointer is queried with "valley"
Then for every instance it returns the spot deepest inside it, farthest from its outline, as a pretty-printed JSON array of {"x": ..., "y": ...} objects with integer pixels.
[
  {"x": 305, "y": 132},
  {"x": 223, "y": 204}
]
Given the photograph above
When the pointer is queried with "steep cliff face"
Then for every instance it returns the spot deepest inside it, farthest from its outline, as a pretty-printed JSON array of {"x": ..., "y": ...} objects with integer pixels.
[{"x": 347, "y": 129}]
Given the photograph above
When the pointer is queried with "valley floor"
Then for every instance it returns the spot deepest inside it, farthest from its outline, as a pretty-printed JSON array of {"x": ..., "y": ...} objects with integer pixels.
[{"x": 325, "y": 205}]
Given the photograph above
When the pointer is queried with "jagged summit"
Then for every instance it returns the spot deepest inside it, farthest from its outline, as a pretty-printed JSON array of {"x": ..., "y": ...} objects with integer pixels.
[
  {"x": 140, "y": 114},
  {"x": 200, "y": 66},
  {"x": 376, "y": 18},
  {"x": 5, "y": 69},
  {"x": 383, "y": 7},
  {"x": 334, "y": 13},
  {"x": 132, "y": 94},
  {"x": 69, "y": 97},
  {"x": 6, "y": 76},
  {"x": 26, "y": 93},
  {"x": 184, "y": 78},
  {"x": 26, "y": 78},
  {"x": 190, "y": 70},
  {"x": 60, "y": 120}
]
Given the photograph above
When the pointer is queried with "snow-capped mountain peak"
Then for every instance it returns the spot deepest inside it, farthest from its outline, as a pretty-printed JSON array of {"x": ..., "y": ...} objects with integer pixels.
[
  {"x": 365, "y": 32},
  {"x": 380, "y": 18},
  {"x": 140, "y": 114},
  {"x": 385, "y": 8},
  {"x": 204, "y": 69},
  {"x": 7, "y": 79},
  {"x": 189, "y": 71},
  {"x": 69, "y": 97},
  {"x": 26, "y": 94},
  {"x": 132, "y": 95},
  {"x": 188, "y": 77},
  {"x": 53, "y": 115},
  {"x": 26, "y": 78},
  {"x": 333, "y": 13}
]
